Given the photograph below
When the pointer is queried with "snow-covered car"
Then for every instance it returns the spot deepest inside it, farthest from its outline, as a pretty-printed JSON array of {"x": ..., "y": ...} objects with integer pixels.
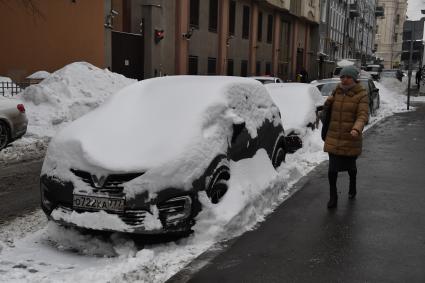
[
  {"x": 327, "y": 86},
  {"x": 138, "y": 162},
  {"x": 298, "y": 103},
  {"x": 13, "y": 121},
  {"x": 267, "y": 80},
  {"x": 374, "y": 71}
]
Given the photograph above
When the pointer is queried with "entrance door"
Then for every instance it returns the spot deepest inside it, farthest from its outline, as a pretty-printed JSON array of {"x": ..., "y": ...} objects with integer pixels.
[{"x": 127, "y": 54}]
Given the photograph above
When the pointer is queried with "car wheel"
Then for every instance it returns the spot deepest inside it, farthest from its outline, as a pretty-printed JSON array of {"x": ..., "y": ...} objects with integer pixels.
[
  {"x": 4, "y": 135},
  {"x": 279, "y": 152},
  {"x": 217, "y": 184}
]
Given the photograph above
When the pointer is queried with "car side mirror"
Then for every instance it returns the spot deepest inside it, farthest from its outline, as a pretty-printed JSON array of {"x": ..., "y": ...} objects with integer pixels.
[{"x": 237, "y": 130}]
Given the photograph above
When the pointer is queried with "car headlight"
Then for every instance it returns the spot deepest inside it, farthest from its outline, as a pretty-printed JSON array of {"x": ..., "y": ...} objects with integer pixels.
[{"x": 175, "y": 209}]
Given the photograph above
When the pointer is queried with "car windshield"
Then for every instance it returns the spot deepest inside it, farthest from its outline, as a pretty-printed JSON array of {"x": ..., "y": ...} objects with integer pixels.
[
  {"x": 372, "y": 68},
  {"x": 265, "y": 81},
  {"x": 327, "y": 88}
]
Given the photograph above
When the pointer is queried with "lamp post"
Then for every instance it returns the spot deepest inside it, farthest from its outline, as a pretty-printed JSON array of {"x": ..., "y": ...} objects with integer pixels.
[{"x": 412, "y": 35}]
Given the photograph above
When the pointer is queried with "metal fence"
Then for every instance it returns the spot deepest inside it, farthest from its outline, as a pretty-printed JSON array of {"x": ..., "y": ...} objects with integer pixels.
[{"x": 12, "y": 88}]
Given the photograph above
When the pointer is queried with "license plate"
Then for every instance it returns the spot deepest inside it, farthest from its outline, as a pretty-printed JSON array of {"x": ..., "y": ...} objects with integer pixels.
[{"x": 98, "y": 203}]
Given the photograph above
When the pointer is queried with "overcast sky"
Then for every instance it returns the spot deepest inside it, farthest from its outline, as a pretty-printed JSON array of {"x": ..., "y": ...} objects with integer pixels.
[{"x": 414, "y": 8}]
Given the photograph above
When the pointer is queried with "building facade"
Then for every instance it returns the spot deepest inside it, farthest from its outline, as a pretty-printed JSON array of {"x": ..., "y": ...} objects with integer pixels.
[
  {"x": 390, "y": 32},
  {"x": 50, "y": 34},
  {"x": 223, "y": 37}
]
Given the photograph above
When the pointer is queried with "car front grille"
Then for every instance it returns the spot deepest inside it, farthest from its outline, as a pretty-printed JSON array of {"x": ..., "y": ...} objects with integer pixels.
[
  {"x": 134, "y": 217},
  {"x": 113, "y": 183}
]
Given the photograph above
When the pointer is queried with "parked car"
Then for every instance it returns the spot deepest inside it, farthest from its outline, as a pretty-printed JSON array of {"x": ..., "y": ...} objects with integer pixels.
[
  {"x": 267, "y": 80},
  {"x": 298, "y": 103},
  {"x": 137, "y": 163},
  {"x": 327, "y": 86},
  {"x": 392, "y": 73},
  {"x": 374, "y": 71},
  {"x": 13, "y": 121}
]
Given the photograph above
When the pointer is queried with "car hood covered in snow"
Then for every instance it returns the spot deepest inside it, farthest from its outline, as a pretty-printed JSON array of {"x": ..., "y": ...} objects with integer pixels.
[
  {"x": 176, "y": 123},
  {"x": 297, "y": 103}
]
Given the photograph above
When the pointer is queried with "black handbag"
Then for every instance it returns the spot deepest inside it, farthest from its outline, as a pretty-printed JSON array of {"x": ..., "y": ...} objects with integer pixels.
[{"x": 326, "y": 118}]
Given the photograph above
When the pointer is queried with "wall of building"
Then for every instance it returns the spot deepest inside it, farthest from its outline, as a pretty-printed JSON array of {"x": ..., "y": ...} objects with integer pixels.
[{"x": 55, "y": 34}]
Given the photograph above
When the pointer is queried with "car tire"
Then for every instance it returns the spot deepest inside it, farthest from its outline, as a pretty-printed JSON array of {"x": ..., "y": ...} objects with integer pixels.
[
  {"x": 217, "y": 184},
  {"x": 279, "y": 152},
  {"x": 4, "y": 135}
]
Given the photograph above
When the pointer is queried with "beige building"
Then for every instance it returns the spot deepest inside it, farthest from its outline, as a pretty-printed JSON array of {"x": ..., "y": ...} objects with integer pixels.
[{"x": 389, "y": 36}]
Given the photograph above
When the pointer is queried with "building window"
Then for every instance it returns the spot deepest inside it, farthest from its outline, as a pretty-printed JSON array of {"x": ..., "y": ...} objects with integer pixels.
[
  {"x": 395, "y": 37},
  {"x": 260, "y": 27},
  {"x": 230, "y": 67},
  {"x": 245, "y": 22},
  {"x": 258, "y": 68},
  {"x": 244, "y": 68},
  {"x": 232, "y": 17},
  {"x": 397, "y": 21},
  {"x": 193, "y": 65},
  {"x": 212, "y": 23},
  {"x": 194, "y": 13},
  {"x": 269, "y": 29},
  {"x": 212, "y": 66},
  {"x": 268, "y": 68}
]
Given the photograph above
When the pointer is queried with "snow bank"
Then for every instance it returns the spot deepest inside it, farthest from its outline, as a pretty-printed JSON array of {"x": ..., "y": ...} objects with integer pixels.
[
  {"x": 39, "y": 75},
  {"x": 62, "y": 97}
]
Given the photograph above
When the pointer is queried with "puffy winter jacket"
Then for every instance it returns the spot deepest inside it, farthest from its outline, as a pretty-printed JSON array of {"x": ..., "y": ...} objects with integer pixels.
[{"x": 350, "y": 110}]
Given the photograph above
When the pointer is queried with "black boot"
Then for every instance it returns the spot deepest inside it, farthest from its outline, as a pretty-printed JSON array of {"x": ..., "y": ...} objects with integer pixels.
[
  {"x": 333, "y": 201},
  {"x": 352, "y": 191},
  {"x": 333, "y": 197}
]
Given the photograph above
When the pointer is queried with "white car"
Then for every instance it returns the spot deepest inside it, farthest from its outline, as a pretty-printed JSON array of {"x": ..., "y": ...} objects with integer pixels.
[
  {"x": 13, "y": 121},
  {"x": 267, "y": 80},
  {"x": 298, "y": 103}
]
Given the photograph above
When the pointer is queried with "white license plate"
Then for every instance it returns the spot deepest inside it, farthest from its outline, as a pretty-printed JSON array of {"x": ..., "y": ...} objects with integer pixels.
[{"x": 98, "y": 203}]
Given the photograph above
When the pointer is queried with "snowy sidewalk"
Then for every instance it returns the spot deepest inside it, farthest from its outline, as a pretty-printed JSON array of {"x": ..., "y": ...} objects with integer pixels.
[{"x": 379, "y": 237}]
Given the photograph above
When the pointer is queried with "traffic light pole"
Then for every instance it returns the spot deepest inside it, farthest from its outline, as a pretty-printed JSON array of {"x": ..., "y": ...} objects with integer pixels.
[{"x": 410, "y": 64}]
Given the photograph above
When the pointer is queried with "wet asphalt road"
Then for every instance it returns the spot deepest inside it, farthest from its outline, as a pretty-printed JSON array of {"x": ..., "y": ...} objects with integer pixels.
[
  {"x": 19, "y": 189},
  {"x": 379, "y": 237}
]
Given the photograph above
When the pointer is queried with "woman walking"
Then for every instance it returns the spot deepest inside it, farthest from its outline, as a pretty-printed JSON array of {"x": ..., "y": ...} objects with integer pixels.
[{"x": 349, "y": 113}]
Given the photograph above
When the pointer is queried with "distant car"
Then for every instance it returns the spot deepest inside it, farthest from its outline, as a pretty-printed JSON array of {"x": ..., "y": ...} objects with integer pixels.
[
  {"x": 137, "y": 163},
  {"x": 267, "y": 80},
  {"x": 13, "y": 121},
  {"x": 298, "y": 103},
  {"x": 392, "y": 73},
  {"x": 327, "y": 86},
  {"x": 374, "y": 71}
]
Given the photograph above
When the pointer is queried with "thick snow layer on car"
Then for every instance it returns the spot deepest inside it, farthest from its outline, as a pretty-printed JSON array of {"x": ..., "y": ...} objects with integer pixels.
[
  {"x": 174, "y": 126},
  {"x": 297, "y": 103}
]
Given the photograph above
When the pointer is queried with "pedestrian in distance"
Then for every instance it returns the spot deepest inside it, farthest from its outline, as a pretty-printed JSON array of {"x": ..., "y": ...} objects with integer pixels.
[
  {"x": 418, "y": 77},
  {"x": 349, "y": 110},
  {"x": 304, "y": 75}
]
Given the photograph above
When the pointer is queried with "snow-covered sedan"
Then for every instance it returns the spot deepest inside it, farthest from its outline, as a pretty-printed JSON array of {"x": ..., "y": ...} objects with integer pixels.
[
  {"x": 298, "y": 103},
  {"x": 13, "y": 121},
  {"x": 137, "y": 163}
]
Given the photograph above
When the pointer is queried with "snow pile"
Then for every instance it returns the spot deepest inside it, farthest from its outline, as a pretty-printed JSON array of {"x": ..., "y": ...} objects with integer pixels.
[
  {"x": 345, "y": 63},
  {"x": 39, "y": 75},
  {"x": 68, "y": 94},
  {"x": 62, "y": 97}
]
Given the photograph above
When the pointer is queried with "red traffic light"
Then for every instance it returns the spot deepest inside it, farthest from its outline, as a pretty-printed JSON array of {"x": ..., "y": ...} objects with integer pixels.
[{"x": 159, "y": 35}]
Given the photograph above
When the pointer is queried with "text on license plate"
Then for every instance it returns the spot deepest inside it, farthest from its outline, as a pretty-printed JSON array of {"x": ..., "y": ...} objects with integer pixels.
[{"x": 98, "y": 203}]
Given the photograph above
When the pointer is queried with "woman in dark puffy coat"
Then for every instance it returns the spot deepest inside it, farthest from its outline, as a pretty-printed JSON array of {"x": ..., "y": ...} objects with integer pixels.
[{"x": 349, "y": 114}]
